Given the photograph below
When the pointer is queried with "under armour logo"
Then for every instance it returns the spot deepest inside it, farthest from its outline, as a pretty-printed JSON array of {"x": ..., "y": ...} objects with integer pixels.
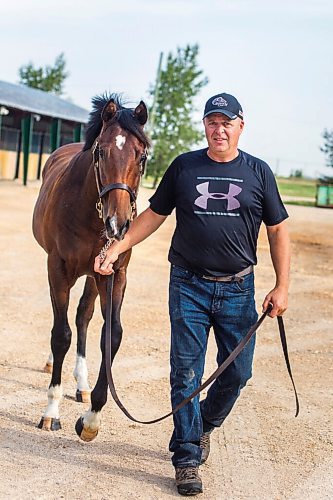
[{"x": 203, "y": 189}]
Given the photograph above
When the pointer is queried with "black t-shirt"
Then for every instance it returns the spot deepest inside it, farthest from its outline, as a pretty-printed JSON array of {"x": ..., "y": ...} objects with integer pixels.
[{"x": 219, "y": 209}]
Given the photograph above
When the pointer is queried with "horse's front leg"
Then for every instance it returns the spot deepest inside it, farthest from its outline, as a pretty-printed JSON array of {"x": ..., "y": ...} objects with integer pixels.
[
  {"x": 84, "y": 314},
  {"x": 60, "y": 339},
  {"x": 87, "y": 426}
]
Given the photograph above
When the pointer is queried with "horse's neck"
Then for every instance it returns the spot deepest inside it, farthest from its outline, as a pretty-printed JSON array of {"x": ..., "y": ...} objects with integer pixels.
[{"x": 81, "y": 173}]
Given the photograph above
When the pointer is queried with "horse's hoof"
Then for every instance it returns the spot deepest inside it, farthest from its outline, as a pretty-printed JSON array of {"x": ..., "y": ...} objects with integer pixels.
[
  {"x": 48, "y": 368},
  {"x": 82, "y": 396},
  {"x": 85, "y": 434},
  {"x": 49, "y": 424}
]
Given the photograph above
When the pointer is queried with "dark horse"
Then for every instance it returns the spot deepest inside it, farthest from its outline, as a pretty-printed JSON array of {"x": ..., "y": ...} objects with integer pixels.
[{"x": 104, "y": 173}]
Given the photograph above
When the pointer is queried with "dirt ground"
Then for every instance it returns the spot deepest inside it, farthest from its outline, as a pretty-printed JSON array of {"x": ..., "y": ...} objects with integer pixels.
[{"x": 262, "y": 451}]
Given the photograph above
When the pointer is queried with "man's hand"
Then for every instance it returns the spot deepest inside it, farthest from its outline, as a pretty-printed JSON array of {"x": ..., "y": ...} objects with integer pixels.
[
  {"x": 142, "y": 227},
  {"x": 278, "y": 297},
  {"x": 106, "y": 267}
]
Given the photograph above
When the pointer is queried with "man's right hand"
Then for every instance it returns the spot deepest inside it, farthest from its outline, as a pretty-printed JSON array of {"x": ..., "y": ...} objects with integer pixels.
[
  {"x": 106, "y": 267},
  {"x": 142, "y": 227}
]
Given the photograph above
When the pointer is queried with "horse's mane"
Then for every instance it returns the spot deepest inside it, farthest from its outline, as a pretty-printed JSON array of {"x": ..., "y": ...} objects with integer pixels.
[{"x": 124, "y": 117}]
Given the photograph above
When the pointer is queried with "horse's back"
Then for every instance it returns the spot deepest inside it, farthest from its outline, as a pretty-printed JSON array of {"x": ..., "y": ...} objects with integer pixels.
[
  {"x": 58, "y": 161},
  {"x": 53, "y": 172}
]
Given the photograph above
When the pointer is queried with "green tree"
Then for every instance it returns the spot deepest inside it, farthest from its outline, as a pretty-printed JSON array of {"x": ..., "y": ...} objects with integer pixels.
[
  {"x": 328, "y": 147},
  {"x": 174, "y": 131},
  {"x": 48, "y": 78}
]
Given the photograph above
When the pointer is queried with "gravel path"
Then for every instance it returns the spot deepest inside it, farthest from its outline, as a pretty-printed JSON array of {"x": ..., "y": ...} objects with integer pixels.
[{"x": 262, "y": 451}]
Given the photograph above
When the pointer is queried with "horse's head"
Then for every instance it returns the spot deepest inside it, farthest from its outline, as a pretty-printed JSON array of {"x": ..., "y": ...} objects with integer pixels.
[{"x": 120, "y": 153}]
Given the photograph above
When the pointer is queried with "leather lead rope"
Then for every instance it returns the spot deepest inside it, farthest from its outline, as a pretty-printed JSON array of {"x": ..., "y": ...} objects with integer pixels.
[
  {"x": 283, "y": 339},
  {"x": 217, "y": 372}
]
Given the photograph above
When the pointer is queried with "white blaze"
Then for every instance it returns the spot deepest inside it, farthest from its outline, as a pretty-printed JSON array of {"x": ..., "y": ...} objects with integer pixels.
[
  {"x": 81, "y": 374},
  {"x": 120, "y": 141}
]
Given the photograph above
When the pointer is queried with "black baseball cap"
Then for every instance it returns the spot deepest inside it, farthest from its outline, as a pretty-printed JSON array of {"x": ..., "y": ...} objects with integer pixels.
[{"x": 224, "y": 103}]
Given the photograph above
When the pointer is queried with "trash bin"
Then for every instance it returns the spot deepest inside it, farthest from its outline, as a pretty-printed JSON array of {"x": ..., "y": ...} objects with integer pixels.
[{"x": 324, "y": 195}]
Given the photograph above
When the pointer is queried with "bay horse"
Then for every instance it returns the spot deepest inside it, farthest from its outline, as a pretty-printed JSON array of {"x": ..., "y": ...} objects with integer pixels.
[{"x": 102, "y": 173}]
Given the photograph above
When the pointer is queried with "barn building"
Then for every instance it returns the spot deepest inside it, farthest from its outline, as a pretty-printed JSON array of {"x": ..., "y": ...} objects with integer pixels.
[{"x": 34, "y": 123}]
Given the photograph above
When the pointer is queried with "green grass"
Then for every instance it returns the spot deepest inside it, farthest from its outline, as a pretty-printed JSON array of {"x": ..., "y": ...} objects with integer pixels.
[
  {"x": 293, "y": 186},
  {"x": 300, "y": 203},
  {"x": 148, "y": 181}
]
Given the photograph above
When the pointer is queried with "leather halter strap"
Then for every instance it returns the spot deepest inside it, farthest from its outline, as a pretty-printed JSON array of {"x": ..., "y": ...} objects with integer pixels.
[
  {"x": 217, "y": 372},
  {"x": 118, "y": 185},
  {"x": 103, "y": 190}
]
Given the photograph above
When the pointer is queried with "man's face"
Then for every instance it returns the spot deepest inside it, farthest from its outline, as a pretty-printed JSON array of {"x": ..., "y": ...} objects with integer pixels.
[{"x": 222, "y": 133}]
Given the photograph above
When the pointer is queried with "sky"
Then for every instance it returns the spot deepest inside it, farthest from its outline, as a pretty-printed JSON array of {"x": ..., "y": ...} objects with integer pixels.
[{"x": 274, "y": 56}]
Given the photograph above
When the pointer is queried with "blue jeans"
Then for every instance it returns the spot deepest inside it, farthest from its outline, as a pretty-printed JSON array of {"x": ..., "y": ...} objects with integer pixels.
[{"x": 196, "y": 305}]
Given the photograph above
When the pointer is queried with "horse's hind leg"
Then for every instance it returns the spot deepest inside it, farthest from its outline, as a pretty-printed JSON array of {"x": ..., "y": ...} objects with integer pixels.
[
  {"x": 84, "y": 314},
  {"x": 60, "y": 339},
  {"x": 87, "y": 426}
]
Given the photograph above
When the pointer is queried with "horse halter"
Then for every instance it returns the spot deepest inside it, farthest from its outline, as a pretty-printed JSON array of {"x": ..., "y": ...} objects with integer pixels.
[{"x": 98, "y": 153}]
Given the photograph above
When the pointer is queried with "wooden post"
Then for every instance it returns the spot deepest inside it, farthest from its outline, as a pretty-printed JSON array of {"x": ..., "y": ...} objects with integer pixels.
[
  {"x": 55, "y": 133},
  {"x": 18, "y": 155},
  {"x": 150, "y": 125},
  {"x": 77, "y": 133},
  {"x": 26, "y": 126},
  {"x": 157, "y": 84},
  {"x": 40, "y": 156}
]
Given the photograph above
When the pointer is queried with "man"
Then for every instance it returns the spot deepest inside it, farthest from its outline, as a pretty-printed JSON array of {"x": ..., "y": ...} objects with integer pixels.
[{"x": 221, "y": 195}]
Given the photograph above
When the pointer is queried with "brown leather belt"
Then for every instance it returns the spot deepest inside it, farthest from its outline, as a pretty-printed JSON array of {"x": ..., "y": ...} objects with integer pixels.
[{"x": 233, "y": 277}]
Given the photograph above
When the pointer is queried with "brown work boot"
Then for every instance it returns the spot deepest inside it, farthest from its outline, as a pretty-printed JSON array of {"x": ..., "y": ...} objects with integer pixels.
[
  {"x": 205, "y": 446},
  {"x": 188, "y": 481}
]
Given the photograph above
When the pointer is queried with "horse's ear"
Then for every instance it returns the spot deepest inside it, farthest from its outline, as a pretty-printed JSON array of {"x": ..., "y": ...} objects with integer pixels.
[
  {"x": 141, "y": 113},
  {"x": 109, "y": 111}
]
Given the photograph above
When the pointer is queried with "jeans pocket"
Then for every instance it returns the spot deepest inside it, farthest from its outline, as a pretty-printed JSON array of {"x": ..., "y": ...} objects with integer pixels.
[{"x": 180, "y": 274}]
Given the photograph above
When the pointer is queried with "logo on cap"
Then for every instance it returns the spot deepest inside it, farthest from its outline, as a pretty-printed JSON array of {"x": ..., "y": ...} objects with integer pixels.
[{"x": 219, "y": 101}]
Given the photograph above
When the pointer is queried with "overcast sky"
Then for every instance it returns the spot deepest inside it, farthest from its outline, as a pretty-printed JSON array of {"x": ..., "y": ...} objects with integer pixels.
[{"x": 274, "y": 56}]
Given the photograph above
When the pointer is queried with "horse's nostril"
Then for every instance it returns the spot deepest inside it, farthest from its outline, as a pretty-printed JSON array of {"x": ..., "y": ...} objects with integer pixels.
[{"x": 123, "y": 230}]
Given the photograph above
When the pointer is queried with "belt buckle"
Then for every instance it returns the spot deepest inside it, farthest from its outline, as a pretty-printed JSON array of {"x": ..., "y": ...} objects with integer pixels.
[{"x": 237, "y": 279}]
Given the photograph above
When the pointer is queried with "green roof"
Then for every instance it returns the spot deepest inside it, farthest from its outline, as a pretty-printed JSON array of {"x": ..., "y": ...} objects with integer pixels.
[{"x": 40, "y": 102}]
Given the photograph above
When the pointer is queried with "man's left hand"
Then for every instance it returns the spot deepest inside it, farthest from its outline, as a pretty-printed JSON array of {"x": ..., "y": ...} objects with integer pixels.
[{"x": 278, "y": 297}]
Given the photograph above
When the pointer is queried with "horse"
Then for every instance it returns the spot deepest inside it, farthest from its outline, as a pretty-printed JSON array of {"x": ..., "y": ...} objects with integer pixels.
[{"x": 87, "y": 200}]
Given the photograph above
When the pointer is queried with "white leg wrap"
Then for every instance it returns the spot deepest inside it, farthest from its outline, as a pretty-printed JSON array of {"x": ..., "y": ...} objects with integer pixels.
[
  {"x": 54, "y": 395},
  {"x": 81, "y": 374},
  {"x": 92, "y": 420}
]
